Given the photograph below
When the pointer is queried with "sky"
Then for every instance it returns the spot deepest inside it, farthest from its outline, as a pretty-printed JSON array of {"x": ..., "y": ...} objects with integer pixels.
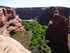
[{"x": 35, "y": 3}]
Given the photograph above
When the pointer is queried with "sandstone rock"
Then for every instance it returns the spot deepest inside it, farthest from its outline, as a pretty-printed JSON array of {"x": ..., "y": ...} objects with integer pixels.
[
  {"x": 3, "y": 31},
  {"x": 9, "y": 45},
  {"x": 9, "y": 21}
]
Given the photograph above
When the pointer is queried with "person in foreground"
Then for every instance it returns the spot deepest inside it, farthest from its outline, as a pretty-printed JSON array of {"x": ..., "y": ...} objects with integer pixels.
[{"x": 57, "y": 33}]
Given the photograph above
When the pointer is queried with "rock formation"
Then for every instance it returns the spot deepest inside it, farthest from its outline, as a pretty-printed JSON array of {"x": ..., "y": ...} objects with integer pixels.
[
  {"x": 9, "y": 45},
  {"x": 9, "y": 22}
]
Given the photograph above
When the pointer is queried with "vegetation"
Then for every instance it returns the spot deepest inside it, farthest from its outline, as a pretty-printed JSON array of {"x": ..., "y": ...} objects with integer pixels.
[
  {"x": 38, "y": 42},
  {"x": 23, "y": 37},
  {"x": 69, "y": 41}
]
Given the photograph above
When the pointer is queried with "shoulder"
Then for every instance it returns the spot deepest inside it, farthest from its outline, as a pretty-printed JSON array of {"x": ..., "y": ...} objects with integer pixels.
[
  {"x": 50, "y": 22},
  {"x": 64, "y": 18}
]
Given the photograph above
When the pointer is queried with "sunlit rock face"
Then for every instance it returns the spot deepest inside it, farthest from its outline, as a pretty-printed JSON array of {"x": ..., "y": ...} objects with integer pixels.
[
  {"x": 9, "y": 21},
  {"x": 9, "y": 45}
]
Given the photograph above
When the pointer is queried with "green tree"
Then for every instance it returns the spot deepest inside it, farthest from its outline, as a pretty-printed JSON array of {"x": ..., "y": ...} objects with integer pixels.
[{"x": 38, "y": 42}]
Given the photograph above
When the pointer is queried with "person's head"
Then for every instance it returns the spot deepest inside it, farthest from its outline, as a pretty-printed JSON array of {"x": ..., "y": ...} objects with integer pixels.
[{"x": 56, "y": 12}]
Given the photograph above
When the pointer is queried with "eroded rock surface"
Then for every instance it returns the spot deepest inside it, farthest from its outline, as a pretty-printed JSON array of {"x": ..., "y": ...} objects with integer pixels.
[
  {"x": 9, "y": 45},
  {"x": 9, "y": 21}
]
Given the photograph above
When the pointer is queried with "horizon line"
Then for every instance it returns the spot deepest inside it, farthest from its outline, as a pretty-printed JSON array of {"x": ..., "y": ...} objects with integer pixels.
[{"x": 32, "y": 6}]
